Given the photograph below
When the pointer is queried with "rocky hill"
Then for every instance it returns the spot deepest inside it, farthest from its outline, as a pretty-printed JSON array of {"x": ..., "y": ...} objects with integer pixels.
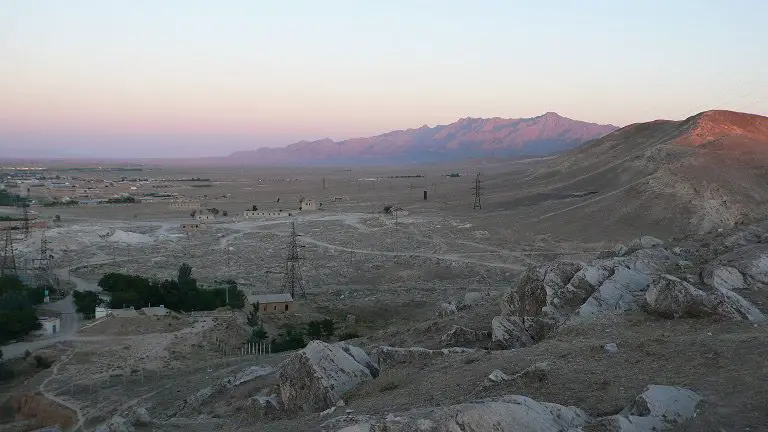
[
  {"x": 707, "y": 172},
  {"x": 468, "y": 137}
]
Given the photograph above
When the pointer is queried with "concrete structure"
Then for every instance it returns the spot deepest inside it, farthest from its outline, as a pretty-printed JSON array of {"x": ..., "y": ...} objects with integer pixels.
[
  {"x": 155, "y": 311},
  {"x": 190, "y": 227},
  {"x": 51, "y": 325},
  {"x": 185, "y": 205},
  {"x": 205, "y": 218},
  {"x": 273, "y": 303},
  {"x": 309, "y": 204},
  {"x": 248, "y": 214},
  {"x": 101, "y": 312},
  {"x": 124, "y": 313}
]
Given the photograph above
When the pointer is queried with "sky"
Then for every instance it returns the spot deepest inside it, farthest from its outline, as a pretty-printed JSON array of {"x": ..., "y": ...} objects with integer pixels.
[{"x": 182, "y": 78}]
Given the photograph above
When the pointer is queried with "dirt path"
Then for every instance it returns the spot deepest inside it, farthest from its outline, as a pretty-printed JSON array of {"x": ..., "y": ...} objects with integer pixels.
[
  {"x": 449, "y": 257},
  {"x": 55, "y": 398},
  {"x": 593, "y": 199}
]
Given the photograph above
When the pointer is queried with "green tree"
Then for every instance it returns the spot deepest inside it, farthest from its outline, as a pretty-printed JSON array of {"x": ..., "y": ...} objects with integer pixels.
[
  {"x": 253, "y": 315},
  {"x": 254, "y": 208},
  {"x": 315, "y": 329},
  {"x": 258, "y": 335},
  {"x": 329, "y": 327},
  {"x": 86, "y": 302},
  {"x": 185, "y": 273}
]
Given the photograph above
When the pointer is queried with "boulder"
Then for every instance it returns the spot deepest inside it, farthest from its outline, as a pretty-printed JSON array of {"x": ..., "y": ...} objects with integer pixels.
[
  {"x": 611, "y": 348},
  {"x": 472, "y": 298},
  {"x": 445, "y": 309},
  {"x": 725, "y": 277},
  {"x": 621, "y": 292},
  {"x": 657, "y": 408},
  {"x": 498, "y": 376},
  {"x": 458, "y": 336},
  {"x": 315, "y": 378},
  {"x": 620, "y": 250},
  {"x": 141, "y": 417},
  {"x": 509, "y": 332},
  {"x": 671, "y": 297},
  {"x": 645, "y": 242},
  {"x": 387, "y": 356},
  {"x": 508, "y": 413},
  {"x": 361, "y": 357},
  {"x": 538, "y": 286}
]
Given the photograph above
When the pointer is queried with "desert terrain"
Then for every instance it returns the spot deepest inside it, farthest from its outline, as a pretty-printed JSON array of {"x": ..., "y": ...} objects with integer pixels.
[{"x": 647, "y": 199}]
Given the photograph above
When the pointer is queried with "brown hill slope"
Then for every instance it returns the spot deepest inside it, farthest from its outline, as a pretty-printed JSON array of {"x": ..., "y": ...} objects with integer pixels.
[
  {"x": 468, "y": 137},
  {"x": 706, "y": 172}
]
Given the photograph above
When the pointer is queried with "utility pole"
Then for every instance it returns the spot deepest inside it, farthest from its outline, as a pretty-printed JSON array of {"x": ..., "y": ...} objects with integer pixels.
[
  {"x": 26, "y": 220},
  {"x": 292, "y": 280},
  {"x": 477, "y": 204},
  {"x": 323, "y": 183}
]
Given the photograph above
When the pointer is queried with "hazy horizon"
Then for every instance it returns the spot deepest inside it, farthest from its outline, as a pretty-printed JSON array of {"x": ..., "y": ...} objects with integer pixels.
[{"x": 192, "y": 79}]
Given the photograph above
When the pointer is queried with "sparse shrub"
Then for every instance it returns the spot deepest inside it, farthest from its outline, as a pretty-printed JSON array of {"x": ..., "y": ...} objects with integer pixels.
[
  {"x": 389, "y": 382},
  {"x": 388, "y": 209},
  {"x": 328, "y": 327},
  {"x": 42, "y": 362},
  {"x": 315, "y": 330},
  {"x": 27, "y": 353},
  {"x": 348, "y": 335}
]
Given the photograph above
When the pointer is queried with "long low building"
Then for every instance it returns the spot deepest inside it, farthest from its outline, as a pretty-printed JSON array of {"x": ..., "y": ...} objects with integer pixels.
[
  {"x": 249, "y": 214},
  {"x": 273, "y": 303}
]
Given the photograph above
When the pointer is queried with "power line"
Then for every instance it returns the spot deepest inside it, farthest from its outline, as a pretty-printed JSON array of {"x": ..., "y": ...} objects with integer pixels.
[
  {"x": 477, "y": 192},
  {"x": 292, "y": 280}
]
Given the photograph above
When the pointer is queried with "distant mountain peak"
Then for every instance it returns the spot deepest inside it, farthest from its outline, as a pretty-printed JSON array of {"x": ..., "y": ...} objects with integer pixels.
[
  {"x": 468, "y": 137},
  {"x": 722, "y": 125}
]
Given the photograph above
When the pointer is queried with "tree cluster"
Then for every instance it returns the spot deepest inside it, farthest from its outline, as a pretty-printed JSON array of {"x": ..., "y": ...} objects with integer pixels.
[
  {"x": 86, "y": 302},
  {"x": 17, "y": 311},
  {"x": 181, "y": 294}
]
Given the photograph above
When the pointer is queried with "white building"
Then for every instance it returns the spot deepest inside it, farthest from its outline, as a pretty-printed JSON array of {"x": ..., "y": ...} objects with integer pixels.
[
  {"x": 205, "y": 218},
  {"x": 308, "y": 204},
  {"x": 101, "y": 312},
  {"x": 51, "y": 325}
]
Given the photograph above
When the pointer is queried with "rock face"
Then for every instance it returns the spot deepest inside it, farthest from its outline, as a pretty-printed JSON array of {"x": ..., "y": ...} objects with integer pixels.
[
  {"x": 508, "y": 333},
  {"x": 508, "y": 413},
  {"x": 658, "y": 408},
  {"x": 723, "y": 277},
  {"x": 387, "y": 356},
  {"x": 316, "y": 377},
  {"x": 458, "y": 336},
  {"x": 671, "y": 297},
  {"x": 361, "y": 357}
]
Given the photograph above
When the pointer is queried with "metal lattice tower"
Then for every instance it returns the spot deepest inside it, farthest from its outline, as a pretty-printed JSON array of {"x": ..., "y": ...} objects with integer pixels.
[
  {"x": 8, "y": 263},
  {"x": 478, "y": 188},
  {"x": 25, "y": 227},
  {"x": 292, "y": 280},
  {"x": 43, "y": 267}
]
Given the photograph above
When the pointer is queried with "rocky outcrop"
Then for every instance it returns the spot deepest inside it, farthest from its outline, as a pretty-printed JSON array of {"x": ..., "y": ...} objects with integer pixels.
[
  {"x": 116, "y": 424},
  {"x": 386, "y": 356},
  {"x": 723, "y": 277},
  {"x": 508, "y": 413},
  {"x": 141, "y": 417},
  {"x": 316, "y": 377},
  {"x": 509, "y": 333},
  {"x": 658, "y": 408},
  {"x": 623, "y": 291},
  {"x": 459, "y": 336},
  {"x": 671, "y": 297},
  {"x": 472, "y": 298},
  {"x": 361, "y": 357}
]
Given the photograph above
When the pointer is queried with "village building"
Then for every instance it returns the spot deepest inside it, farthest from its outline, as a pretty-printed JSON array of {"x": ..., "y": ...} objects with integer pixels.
[
  {"x": 309, "y": 204},
  {"x": 273, "y": 303},
  {"x": 185, "y": 205},
  {"x": 51, "y": 325},
  {"x": 205, "y": 218}
]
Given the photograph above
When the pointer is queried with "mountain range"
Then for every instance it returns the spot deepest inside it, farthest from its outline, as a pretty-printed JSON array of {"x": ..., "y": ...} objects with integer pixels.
[{"x": 466, "y": 138}]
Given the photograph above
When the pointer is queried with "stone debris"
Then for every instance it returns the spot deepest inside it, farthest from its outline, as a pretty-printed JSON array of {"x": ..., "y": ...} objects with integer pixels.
[
  {"x": 386, "y": 356},
  {"x": 498, "y": 376},
  {"x": 458, "y": 336}
]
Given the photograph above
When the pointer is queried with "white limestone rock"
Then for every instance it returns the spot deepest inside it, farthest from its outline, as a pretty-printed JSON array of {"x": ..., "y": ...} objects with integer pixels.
[
  {"x": 725, "y": 277},
  {"x": 671, "y": 297},
  {"x": 508, "y": 413},
  {"x": 473, "y": 298},
  {"x": 116, "y": 424},
  {"x": 611, "y": 348},
  {"x": 508, "y": 333},
  {"x": 498, "y": 376},
  {"x": 658, "y": 408},
  {"x": 316, "y": 377},
  {"x": 361, "y": 357},
  {"x": 622, "y": 292}
]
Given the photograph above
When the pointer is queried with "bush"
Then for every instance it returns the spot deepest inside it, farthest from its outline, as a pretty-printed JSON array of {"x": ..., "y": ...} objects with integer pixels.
[
  {"x": 290, "y": 339},
  {"x": 348, "y": 335},
  {"x": 27, "y": 353},
  {"x": 42, "y": 362}
]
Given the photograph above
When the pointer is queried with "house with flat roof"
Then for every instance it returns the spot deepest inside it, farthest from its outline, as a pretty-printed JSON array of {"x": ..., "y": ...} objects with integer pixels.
[{"x": 273, "y": 303}]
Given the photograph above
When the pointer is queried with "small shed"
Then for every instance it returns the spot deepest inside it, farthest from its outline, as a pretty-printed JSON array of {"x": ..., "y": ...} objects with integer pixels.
[
  {"x": 51, "y": 325},
  {"x": 308, "y": 204},
  {"x": 273, "y": 303}
]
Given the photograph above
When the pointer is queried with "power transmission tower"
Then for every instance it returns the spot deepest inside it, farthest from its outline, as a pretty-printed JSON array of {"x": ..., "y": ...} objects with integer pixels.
[
  {"x": 8, "y": 264},
  {"x": 323, "y": 183},
  {"x": 292, "y": 281},
  {"x": 477, "y": 204},
  {"x": 25, "y": 227},
  {"x": 43, "y": 263}
]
